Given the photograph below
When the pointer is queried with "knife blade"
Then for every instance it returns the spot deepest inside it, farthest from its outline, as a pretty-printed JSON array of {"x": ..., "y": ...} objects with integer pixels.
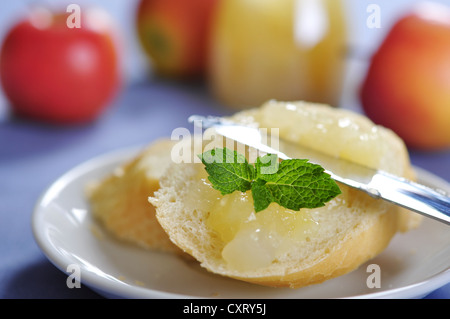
[{"x": 418, "y": 198}]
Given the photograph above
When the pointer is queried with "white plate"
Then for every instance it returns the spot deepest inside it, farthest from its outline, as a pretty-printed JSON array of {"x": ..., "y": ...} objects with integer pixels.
[{"x": 413, "y": 265}]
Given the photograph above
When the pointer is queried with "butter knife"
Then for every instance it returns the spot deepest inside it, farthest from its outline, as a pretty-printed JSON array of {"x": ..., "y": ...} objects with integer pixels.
[{"x": 378, "y": 184}]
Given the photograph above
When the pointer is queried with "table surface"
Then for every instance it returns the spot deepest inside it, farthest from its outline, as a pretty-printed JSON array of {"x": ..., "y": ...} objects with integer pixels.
[{"x": 33, "y": 155}]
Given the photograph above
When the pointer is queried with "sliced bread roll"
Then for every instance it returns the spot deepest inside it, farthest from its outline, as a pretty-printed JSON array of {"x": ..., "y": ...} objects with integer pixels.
[
  {"x": 119, "y": 201},
  {"x": 279, "y": 247}
]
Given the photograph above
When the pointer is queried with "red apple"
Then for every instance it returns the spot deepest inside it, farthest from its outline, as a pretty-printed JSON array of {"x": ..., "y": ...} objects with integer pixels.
[
  {"x": 174, "y": 34},
  {"x": 407, "y": 87},
  {"x": 54, "y": 73}
]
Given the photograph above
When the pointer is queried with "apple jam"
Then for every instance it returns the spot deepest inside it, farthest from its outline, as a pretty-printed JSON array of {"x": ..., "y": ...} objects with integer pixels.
[{"x": 251, "y": 240}]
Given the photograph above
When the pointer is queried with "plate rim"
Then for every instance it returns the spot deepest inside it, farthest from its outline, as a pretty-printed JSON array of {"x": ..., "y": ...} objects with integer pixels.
[{"x": 120, "y": 289}]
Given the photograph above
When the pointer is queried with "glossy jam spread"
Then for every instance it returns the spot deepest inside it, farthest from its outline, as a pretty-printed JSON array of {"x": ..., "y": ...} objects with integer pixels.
[{"x": 252, "y": 240}]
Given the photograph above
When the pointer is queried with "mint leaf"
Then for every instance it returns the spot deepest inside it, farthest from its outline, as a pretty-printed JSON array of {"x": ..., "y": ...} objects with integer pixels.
[
  {"x": 228, "y": 171},
  {"x": 262, "y": 197},
  {"x": 268, "y": 164},
  {"x": 293, "y": 184},
  {"x": 300, "y": 184}
]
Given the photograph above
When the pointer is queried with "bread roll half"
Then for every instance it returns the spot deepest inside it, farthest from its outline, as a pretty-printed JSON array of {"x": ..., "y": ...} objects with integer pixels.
[
  {"x": 119, "y": 201},
  {"x": 278, "y": 247}
]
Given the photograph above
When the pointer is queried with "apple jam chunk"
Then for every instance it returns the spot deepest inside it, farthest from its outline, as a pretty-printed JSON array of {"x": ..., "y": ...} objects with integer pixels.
[{"x": 252, "y": 240}]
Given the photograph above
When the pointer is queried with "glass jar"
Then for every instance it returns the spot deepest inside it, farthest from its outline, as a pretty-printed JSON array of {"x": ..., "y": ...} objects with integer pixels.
[{"x": 278, "y": 49}]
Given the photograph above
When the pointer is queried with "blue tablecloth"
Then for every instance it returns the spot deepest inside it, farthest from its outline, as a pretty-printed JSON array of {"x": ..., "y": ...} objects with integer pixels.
[{"x": 33, "y": 155}]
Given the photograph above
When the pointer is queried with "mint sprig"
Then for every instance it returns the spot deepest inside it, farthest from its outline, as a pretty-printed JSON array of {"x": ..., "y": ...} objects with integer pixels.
[
  {"x": 228, "y": 171},
  {"x": 293, "y": 183}
]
